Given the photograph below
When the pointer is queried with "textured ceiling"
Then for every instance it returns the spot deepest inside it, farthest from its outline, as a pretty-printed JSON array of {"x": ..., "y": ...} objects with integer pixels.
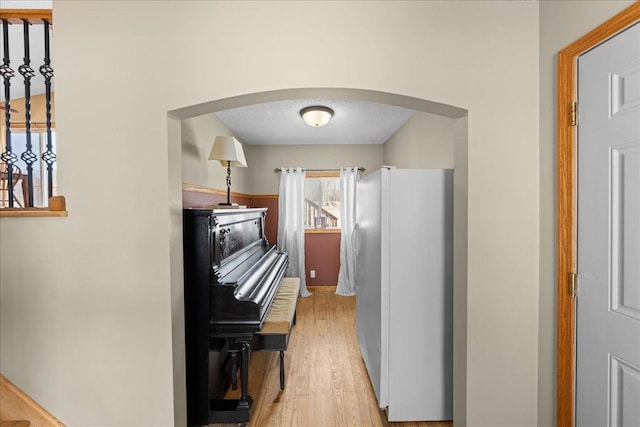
[{"x": 279, "y": 123}]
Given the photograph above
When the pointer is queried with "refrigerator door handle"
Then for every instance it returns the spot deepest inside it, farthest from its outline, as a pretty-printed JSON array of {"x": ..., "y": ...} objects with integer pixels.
[{"x": 354, "y": 239}]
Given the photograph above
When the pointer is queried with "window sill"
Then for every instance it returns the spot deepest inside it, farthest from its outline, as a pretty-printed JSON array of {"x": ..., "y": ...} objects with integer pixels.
[
  {"x": 322, "y": 231},
  {"x": 57, "y": 208}
]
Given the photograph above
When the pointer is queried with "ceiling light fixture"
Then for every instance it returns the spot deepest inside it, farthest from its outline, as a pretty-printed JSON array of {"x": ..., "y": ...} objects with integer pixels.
[{"x": 316, "y": 116}]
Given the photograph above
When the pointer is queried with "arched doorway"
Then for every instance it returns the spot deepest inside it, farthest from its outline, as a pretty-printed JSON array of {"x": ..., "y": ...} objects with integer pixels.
[{"x": 460, "y": 212}]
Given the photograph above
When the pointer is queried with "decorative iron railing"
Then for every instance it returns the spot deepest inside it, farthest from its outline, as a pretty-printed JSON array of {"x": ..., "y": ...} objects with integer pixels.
[{"x": 12, "y": 157}]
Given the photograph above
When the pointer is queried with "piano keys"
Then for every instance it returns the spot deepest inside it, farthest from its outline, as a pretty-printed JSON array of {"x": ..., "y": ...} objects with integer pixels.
[{"x": 231, "y": 276}]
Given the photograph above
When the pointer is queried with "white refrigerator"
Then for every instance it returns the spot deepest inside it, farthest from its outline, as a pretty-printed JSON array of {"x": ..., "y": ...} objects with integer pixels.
[{"x": 404, "y": 295}]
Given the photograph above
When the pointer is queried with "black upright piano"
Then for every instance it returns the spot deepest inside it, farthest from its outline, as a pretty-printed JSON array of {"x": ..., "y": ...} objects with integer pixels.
[{"x": 231, "y": 275}]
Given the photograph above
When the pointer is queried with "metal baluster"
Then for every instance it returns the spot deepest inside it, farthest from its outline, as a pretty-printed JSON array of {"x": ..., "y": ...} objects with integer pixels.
[
  {"x": 5, "y": 70},
  {"x": 29, "y": 157},
  {"x": 45, "y": 69}
]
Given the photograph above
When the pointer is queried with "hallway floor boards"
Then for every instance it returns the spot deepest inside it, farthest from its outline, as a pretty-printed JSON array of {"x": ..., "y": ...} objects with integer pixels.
[{"x": 326, "y": 381}]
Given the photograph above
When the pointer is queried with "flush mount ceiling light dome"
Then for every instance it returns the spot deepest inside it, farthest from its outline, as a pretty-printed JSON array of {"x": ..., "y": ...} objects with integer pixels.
[{"x": 316, "y": 116}]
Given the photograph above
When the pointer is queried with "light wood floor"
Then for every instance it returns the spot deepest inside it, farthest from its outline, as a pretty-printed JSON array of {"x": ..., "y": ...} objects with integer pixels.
[{"x": 326, "y": 380}]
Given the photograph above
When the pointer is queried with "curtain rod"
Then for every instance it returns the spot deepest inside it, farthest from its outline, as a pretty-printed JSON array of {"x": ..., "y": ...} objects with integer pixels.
[{"x": 361, "y": 169}]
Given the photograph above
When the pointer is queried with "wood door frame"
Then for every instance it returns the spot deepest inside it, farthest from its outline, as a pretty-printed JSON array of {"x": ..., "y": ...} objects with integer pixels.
[{"x": 567, "y": 208}]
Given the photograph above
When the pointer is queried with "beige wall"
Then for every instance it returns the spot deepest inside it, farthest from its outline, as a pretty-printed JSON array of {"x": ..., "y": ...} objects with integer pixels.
[
  {"x": 424, "y": 141},
  {"x": 93, "y": 333},
  {"x": 561, "y": 23},
  {"x": 265, "y": 158}
]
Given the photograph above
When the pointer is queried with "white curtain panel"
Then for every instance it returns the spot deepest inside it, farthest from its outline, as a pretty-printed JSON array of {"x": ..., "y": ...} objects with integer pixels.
[
  {"x": 347, "y": 274},
  {"x": 291, "y": 222}
]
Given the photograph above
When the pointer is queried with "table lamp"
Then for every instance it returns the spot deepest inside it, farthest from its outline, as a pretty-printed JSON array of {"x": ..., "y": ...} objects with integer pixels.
[{"x": 228, "y": 152}]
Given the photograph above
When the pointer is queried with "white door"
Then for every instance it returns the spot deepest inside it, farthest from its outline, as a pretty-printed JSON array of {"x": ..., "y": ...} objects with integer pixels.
[{"x": 608, "y": 304}]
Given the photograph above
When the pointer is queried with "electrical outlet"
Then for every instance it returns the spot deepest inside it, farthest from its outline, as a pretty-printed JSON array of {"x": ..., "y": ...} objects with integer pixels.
[{"x": 312, "y": 274}]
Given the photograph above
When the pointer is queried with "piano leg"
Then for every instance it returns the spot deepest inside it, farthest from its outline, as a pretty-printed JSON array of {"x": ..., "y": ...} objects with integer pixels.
[
  {"x": 245, "y": 400},
  {"x": 281, "y": 370},
  {"x": 234, "y": 370}
]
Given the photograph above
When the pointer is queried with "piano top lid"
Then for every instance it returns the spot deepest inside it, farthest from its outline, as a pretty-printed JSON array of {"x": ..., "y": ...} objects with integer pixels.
[{"x": 207, "y": 211}]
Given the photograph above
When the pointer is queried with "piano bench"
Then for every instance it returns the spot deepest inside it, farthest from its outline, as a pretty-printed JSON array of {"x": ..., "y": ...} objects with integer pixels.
[{"x": 274, "y": 335}]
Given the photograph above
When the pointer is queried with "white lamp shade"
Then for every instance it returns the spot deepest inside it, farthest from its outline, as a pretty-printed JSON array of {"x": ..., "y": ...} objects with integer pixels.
[{"x": 228, "y": 149}]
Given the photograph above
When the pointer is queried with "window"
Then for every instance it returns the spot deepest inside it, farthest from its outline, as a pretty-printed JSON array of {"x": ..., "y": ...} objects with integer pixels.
[{"x": 322, "y": 202}]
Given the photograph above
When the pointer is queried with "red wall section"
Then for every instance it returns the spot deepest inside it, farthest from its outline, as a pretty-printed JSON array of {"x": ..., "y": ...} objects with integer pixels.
[
  {"x": 271, "y": 220},
  {"x": 322, "y": 254}
]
